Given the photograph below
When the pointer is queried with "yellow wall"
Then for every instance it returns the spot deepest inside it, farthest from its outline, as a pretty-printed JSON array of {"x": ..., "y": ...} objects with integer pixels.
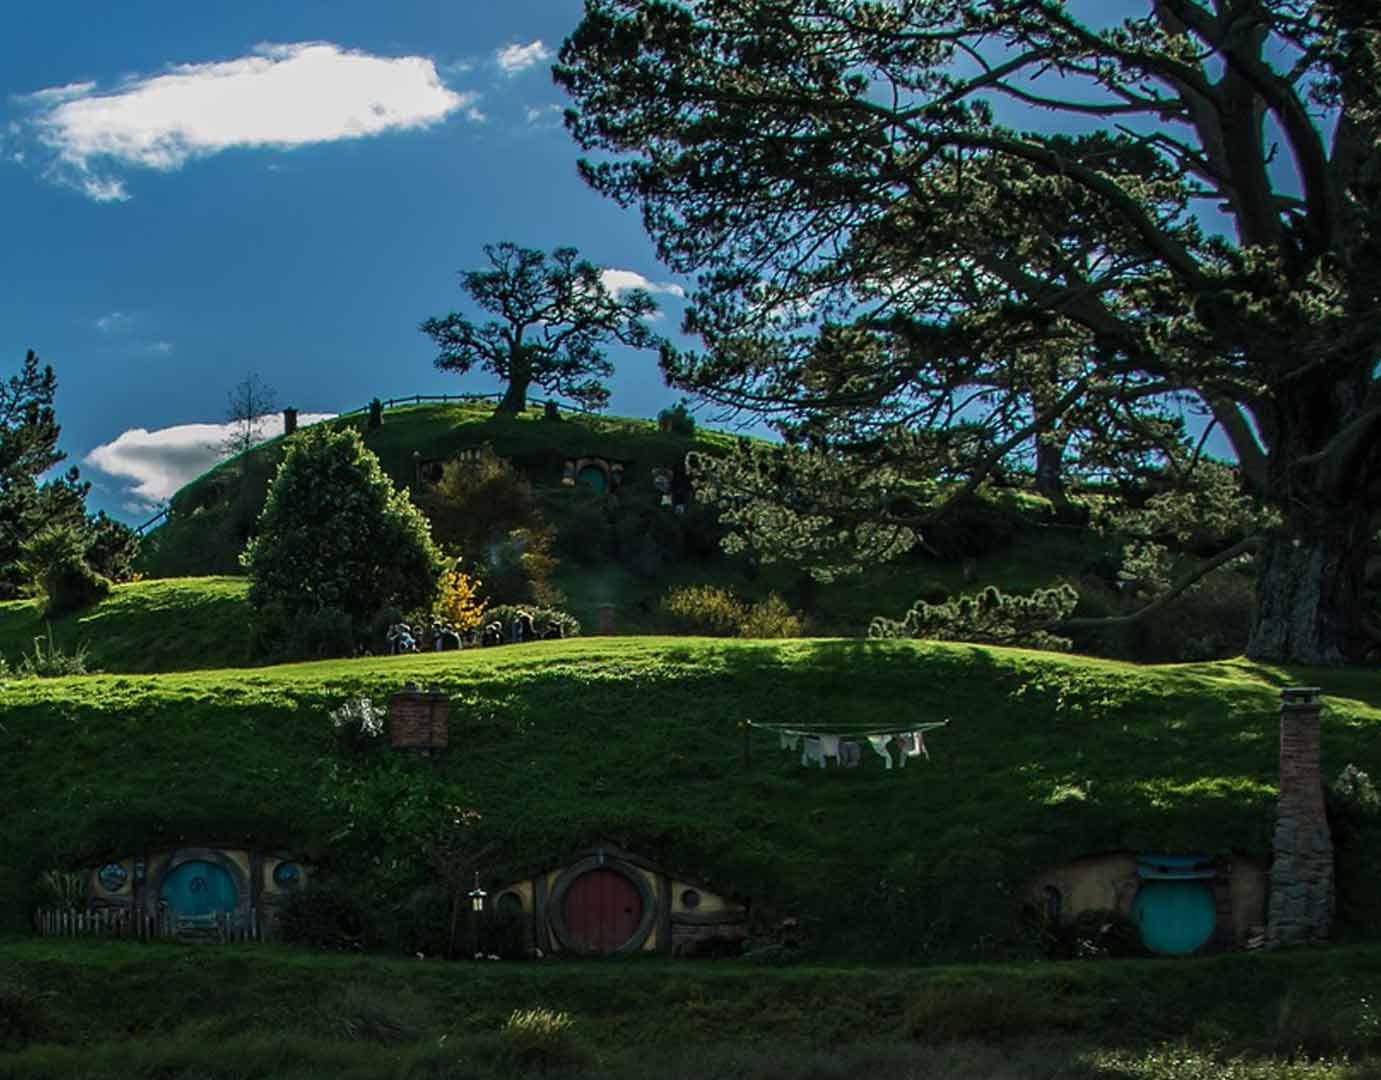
[
  {"x": 95, "y": 888},
  {"x": 1095, "y": 881},
  {"x": 710, "y": 903},
  {"x": 521, "y": 889},
  {"x": 1251, "y": 884}
]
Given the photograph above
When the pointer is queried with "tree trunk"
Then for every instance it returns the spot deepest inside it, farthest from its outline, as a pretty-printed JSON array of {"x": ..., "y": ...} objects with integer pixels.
[
  {"x": 1050, "y": 452},
  {"x": 515, "y": 397},
  {"x": 1309, "y": 603}
]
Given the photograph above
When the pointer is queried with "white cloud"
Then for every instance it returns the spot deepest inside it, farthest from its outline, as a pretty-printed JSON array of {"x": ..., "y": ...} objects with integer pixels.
[
  {"x": 515, "y": 58},
  {"x": 280, "y": 96},
  {"x": 620, "y": 281},
  {"x": 161, "y": 347},
  {"x": 113, "y": 323},
  {"x": 543, "y": 115},
  {"x": 155, "y": 464}
]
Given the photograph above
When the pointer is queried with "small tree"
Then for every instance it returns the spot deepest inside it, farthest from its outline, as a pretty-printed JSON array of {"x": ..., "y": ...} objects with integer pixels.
[
  {"x": 248, "y": 407},
  {"x": 553, "y": 317},
  {"x": 336, "y": 536}
]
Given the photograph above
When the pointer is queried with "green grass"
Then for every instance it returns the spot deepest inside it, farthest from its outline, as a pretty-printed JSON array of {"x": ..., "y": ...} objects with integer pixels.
[
  {"x": 100, "y": 1010},
  {"x": 177, "y": 624},
  {"x": 637, "y": 742}
]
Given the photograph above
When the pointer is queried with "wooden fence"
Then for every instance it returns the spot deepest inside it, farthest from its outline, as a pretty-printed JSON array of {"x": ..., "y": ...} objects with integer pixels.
[{"x": 220, "y": 928}]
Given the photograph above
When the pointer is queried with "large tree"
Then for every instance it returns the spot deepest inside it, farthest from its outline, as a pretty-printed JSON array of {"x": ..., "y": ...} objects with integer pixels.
[
  {"x": 893, "y": 204},
  {"x": 29, "y": 434},
  {"x": 554, "y": 317}
]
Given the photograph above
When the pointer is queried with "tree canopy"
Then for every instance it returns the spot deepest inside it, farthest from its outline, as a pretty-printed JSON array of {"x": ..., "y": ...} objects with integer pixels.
[
  {"x": 29, "y": 506},
  {"x": 926, "y": 232},
  {"x": 335, "y": 536},
  {"x": 554, "y": 317}
]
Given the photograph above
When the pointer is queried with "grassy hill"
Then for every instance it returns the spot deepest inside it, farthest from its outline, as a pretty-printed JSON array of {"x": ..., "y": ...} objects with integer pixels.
[
  {"x": 628, "y": 552},
  {"x": 638, "y": 742}
]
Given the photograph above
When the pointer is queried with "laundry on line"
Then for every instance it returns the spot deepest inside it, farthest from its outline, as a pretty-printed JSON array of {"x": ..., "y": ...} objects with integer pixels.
[{"x": 845, "y": 747}]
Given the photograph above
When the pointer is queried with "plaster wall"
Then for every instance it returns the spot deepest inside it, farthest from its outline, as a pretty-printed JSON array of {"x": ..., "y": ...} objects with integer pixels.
[{"x": 1106, "y": 882}]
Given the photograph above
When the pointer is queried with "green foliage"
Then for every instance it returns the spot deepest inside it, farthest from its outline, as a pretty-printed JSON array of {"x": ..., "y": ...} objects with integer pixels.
[
  {"x": 49, "y": 660},
  {"x": 280, "y": 633},
  {"x": 324, "y": 916},
  {"x": 55, "y": 560},
  {"x": 543, "y": 619},
  {"x": 541, "y": 1040},
  {"x": 358, "y": 1012},
  {"x": 478, "y": 502},
  {"x": 677, "y": 419},
  {"x": 990, "y": 616},
  {"x": 357, "y": 723},
  {"x": 704, "y": 609},
  {"x": 1095, "y": 934},
  {"x": 61, "y": 889},
  {"x": 553, "y": 320},
  {"x": 771, "y": 617},
  {"x": 335, "y": 534}
]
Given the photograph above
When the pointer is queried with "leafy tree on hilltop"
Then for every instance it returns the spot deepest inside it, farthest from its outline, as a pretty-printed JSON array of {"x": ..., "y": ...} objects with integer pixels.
[
  {"x": 336, "y": 537},
  {"x": 875, "y": 247},
  {"x": 553, "y": 317}
]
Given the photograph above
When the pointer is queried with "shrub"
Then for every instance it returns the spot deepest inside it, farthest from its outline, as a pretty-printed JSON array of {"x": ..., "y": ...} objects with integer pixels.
[
  {"x": 771, "y": 618},
  {"x": 324, "y": 916},
  {"x": 61, "y": 889},
  {"x": 364, "y": 1013},
  {"x": 55, "y": 561},
  {"x": 50, "y": 661},
  {"x": 988, "y": 617},
  {"x": 677, "y": 419},
  {"x": 540, "y": 1040},
  {"x": 704, "y": 609},
  {"x": 335, "y": 535},
  {"x": 357, "y": 722},
  {"x": 458, "y": 603},
  {"x": 543, "y": 619},
  {"x": 312, "y": 635},
  {"x": 1098, "y": 933}
]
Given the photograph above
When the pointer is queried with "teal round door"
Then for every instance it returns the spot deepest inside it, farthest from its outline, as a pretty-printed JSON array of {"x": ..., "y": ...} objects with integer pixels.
[
  {"x": 1176, "y": 917},
  {"x": 199, "y": 888}
]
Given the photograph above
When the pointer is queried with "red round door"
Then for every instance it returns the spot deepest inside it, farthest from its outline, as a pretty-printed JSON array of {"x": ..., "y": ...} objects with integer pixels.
[{"x": 602, "y": 910}]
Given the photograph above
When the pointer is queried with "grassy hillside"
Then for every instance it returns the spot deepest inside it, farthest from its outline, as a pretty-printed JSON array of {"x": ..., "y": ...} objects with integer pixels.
[
  {"x": 629, "y": 552},
  {"x": 177, "y": 624},
  {"x": 637, "y": 742}
]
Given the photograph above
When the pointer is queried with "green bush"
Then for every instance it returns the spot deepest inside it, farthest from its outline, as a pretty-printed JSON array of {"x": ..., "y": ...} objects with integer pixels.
[
  {"x": 771, "y": 618},
  {"x": 55, "y": 560},
  {"x": 335, "y": 536},
  {"x": 678, "y": 419},
  {"x": 324, "y": 916},
  {"x": 704, "y": 609},
  {"x": 1097, "y": 933},
  {"x": 540, "y": 1040},
  {"x": 543, "y": 619},
  {"x": 50, "y": 661},
  {"x": 360, "y": 1012},
  {"x": 278, "y": 634}
]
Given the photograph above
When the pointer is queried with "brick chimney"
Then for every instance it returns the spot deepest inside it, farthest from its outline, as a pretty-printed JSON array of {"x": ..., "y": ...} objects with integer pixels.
[
  {"x": 289, "y": 421},
  {"x": 1301, "y": 904}
]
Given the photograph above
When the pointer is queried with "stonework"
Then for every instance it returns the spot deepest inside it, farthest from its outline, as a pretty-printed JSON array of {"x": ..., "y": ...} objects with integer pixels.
[{"x": 1301, "y": 903}]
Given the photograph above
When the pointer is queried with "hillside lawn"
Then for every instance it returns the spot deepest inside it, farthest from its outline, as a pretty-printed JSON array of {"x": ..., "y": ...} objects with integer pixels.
[
  {"x": 637, "y": 742},
  {"x": 109, "y": 1011}
]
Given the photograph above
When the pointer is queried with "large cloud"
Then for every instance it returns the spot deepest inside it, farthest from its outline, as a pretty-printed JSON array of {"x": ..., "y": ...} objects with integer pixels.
[
  {"x": 279, "y": 96},
  {"x": 621, "y": 281},
  {"x": 155, "y": 464}
]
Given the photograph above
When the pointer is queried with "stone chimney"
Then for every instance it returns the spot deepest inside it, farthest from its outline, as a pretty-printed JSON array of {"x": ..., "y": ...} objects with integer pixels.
[
  {"x": 289, "y": 421},
  {"x": 1301, "y": 904}
]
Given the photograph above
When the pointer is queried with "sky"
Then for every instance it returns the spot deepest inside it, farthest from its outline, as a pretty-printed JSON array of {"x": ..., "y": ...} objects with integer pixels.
[{"x": 195, "y": 192}]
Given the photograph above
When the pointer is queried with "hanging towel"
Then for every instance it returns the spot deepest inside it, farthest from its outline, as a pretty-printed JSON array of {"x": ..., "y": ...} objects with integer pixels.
[
  {"x": 829, "y": 746},
  {"x": 812, "y": 752},
  {"x": 879, "y": 745},
  {"x": 918, "y": 746},
  {"x": 790, "y": 739},
  {"x": 906, "y": 746},
  {"x": 850, "y": 754}
]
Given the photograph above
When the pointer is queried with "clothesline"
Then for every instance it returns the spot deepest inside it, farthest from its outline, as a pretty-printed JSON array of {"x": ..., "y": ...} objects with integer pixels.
[{"x": 796, "y": 729}]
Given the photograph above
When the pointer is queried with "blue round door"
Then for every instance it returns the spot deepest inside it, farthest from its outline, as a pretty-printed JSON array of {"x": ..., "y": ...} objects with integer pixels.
[
  {"x": 1176, "y": 917},
  {"x": 199, "y": 888}
]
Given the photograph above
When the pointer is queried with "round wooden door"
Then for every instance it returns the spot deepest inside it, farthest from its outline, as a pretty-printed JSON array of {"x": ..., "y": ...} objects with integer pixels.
[
  {"x": 1176, "y": 917},
  {"x": 602, "y": 910},
  {"x": 199, "y": 888}
]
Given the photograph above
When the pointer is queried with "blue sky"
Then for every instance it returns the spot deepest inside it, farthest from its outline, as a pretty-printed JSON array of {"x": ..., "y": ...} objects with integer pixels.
[{"x": 192, "y": 192}]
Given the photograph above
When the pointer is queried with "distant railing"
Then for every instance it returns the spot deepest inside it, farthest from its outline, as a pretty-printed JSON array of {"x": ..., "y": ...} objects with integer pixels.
[
  {"x": 395, "y": 403},
  {"x": 220, "y": 928}
]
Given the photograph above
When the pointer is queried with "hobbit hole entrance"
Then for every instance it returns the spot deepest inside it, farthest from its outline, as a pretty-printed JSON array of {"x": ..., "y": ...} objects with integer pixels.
[
  {"x": 602, "y": 910},
  {"x": 197, "y": 889}
]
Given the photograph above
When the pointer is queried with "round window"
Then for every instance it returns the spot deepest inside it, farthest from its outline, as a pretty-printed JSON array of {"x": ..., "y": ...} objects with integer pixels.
[
  {"x": 509, "y": 901},
  {"x": 690, "y": 899},
  {"x": 287, "y": 875},
  {"x": 112, "y": 877}
]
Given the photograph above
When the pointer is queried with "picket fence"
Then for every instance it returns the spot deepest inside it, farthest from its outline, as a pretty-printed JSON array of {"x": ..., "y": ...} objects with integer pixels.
[{"x": 221, "y": 928}]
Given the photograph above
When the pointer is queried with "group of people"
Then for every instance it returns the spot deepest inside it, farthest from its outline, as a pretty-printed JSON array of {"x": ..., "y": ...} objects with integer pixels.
[{"x": 437, "y": 637}]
